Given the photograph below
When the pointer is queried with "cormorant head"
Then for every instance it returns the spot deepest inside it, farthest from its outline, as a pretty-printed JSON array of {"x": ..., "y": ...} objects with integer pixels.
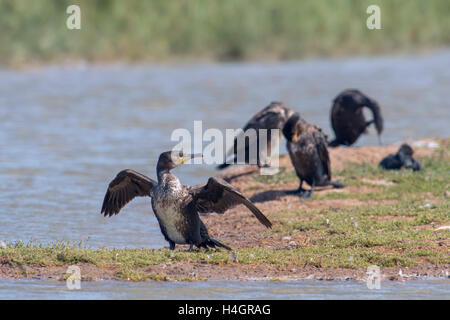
[
  {"x": 377, "y": 117},
  {"x": 276, "y": 103},
  {"x": 406, "y": 150},
  {"x": 292, "y": 127},
  {"x": 357, "y": 99},
  {"x": 405, "y": 154},
  {"x": 171, "y": 159}
]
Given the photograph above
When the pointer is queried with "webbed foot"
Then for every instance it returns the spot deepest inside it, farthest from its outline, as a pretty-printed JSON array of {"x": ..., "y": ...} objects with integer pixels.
[{"x": 305, "y": 194}]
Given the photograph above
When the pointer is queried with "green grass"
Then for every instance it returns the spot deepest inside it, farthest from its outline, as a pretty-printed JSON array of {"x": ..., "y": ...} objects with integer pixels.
[
  {"x": 404, "y": 225},
  {"x": 343, "y": 238},
  {"x": 225, "y": 30},
  {"x": 404, "y": 185},
  {"x": 129, "y": 274},
  {"x": 334, "y": 247}
]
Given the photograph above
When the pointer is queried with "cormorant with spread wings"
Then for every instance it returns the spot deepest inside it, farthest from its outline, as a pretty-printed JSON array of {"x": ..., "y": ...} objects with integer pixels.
[{"x": 176, "y": 206}]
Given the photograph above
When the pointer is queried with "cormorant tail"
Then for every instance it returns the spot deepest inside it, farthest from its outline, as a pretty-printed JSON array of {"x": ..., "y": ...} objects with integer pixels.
[
  {"x": 211, "y": 242},
  {"x": 222, "y": 166},
  {"x": 336, "y": 184},
  {"x": 225, "y": 165},
  {"x": 334, "y": 143}
]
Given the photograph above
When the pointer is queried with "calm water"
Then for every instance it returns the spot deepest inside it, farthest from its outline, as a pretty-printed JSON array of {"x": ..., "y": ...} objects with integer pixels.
[
  {"x": 32, "y": 289},
  {"x": 66, "y": 131}
]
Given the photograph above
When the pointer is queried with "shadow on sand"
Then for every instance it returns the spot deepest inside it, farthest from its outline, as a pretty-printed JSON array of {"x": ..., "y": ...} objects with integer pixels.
[{"x": 271, "y": 195}]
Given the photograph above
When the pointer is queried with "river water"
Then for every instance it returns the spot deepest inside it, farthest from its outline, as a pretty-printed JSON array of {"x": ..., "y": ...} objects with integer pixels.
[
  {"x": 308, "y": 289},
  {"x": 67, "y": 130}
]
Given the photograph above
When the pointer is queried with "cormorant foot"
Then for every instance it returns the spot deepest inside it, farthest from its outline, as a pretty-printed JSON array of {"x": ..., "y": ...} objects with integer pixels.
[{"x": 305, "y": 194}]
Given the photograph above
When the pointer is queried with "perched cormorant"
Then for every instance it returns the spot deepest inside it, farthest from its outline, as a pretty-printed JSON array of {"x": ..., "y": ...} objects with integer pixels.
[
  {"x": 307, "y": 146},
  {"x": 274, "y": 116},
  {"x": 176, "y": 206},
  {"x": 347, "y": 118},
  {"x": 402, "y": 159}
]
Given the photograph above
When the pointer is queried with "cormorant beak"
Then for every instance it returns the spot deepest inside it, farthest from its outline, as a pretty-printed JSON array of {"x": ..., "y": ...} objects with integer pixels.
[
  {"x": 294, "y": 137},
  {"x": 408, "y": 163},
  {"x": 187, "y": 157},
  {"x": 197, "y": 155}
]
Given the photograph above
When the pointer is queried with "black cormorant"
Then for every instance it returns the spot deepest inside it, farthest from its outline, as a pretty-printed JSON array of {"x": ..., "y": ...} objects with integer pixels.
[
  {"x": 307, "y": 146},
  {"x": 402, "y": 159},
  {"x": 347, "y": 118},
  {"x": 176, "y": 206},
  {"x": 274, "y": 116}
]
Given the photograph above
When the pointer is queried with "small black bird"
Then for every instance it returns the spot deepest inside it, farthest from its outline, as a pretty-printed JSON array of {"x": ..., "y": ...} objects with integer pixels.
[
  {"x": 176, "y": 206},
  {"x": 274, "y": 116},
  {"x": 402, "y": 159},
  {"x": 347, "y": 118},
  {"x": 307, "y": 146}
]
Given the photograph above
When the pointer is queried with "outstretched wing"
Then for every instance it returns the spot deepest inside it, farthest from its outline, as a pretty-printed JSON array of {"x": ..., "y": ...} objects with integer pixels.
[
  {"x": 125, "y": 186},
  {"x": 218, "y": 196}
]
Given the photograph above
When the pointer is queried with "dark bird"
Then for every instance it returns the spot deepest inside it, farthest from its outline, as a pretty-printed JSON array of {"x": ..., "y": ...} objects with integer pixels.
[
  {"x": 274, "y": 116},
  {"x": 347, "y": 118},
  {"x": 176, "y": 206},
  {"x": 307, "y": 146},
  {"x": 402, "y": 159}
]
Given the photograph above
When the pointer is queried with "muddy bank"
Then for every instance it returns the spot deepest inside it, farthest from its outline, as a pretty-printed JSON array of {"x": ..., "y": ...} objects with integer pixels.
[{"x": 234, "y": 271}]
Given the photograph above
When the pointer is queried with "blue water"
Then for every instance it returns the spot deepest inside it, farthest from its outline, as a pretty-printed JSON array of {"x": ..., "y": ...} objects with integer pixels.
[{"x": 229, "y": 290}]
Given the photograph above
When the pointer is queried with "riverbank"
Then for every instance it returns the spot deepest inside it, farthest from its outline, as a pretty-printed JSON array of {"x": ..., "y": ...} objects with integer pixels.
[{"x": 393, "y": 220}]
